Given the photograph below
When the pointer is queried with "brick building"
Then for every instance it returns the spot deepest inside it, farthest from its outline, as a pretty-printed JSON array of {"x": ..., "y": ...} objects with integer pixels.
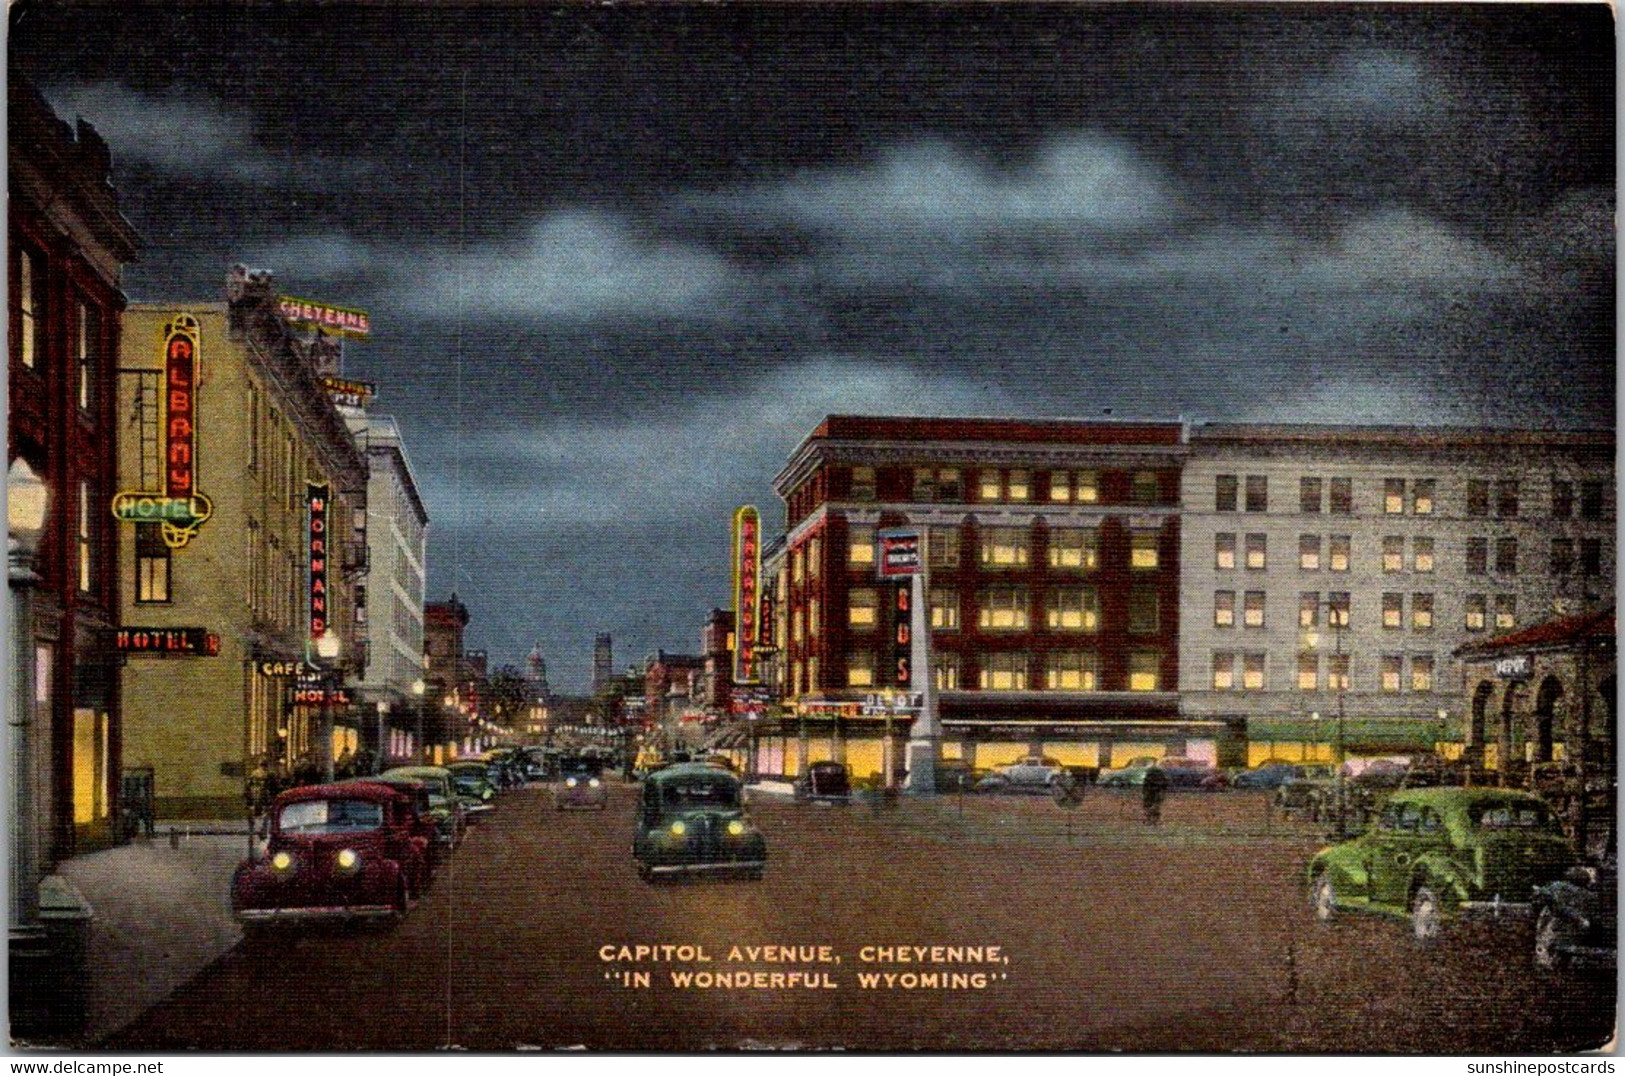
[{"x": 67, "y": 246}]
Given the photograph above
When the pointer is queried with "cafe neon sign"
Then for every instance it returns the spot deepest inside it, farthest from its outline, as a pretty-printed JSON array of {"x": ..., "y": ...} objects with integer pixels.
[{"x": 179, "y": 509}]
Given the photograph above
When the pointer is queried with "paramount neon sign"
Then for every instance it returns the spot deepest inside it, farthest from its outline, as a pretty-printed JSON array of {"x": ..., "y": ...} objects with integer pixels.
[
  {"x": 747, "y": 564},
  {"x": 179, "y": 508}
]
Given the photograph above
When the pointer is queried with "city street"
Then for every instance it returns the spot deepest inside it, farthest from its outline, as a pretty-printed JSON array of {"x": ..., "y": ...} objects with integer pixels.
[{"x": 1110, "y": 936}]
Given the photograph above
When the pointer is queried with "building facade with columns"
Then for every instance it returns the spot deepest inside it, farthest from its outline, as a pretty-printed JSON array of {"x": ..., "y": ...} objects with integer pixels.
[
  {"x": 1053, "y": 550},
  {"x": 1336, "y": 570}
]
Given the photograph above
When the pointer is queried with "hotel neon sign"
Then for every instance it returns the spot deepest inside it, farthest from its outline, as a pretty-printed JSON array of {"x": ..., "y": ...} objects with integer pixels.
[{"x": 179, "y": 509}]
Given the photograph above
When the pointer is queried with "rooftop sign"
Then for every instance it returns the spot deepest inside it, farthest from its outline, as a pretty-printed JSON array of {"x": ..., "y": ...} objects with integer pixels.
[{"x": 339, "y": 320}]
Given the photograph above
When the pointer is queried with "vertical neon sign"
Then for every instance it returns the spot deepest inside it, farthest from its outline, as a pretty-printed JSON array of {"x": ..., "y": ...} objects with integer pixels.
[
  {"x": 747, "y": 571},
  {"x": 316, "y": 498}
]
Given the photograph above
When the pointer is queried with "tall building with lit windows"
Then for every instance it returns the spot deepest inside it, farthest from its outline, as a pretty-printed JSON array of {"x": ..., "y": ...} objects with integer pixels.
[
  {"x": 1054, "y": 556},
  {"x": 222, "y": 681},
  {"x": 1332, "y": 569}
]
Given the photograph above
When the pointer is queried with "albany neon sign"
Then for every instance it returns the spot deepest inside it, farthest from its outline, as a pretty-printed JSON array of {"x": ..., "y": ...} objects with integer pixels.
[
  {"x": 747, "y": 572},
  {"x": 178, "y": 508}
]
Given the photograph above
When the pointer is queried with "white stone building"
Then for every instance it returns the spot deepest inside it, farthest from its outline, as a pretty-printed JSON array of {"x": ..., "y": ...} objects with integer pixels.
[{"x": 1336, "y": 568}]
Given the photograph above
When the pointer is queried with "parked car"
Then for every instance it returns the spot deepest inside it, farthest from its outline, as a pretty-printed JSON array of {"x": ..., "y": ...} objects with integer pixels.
[
  {"x": 1035, "y": 773},
  {"x": 1268, "y": 775},
  {"x": 1440, "y": 854},
  {"x": 691, "y": 820},
  {"x": 441, "y": 783},
  {"x": 824, "y": 782},
  {"x": 1191, "y": 774},
  {"x": 473, "y": 779},
  {"x": 1130, "y": 775},
  {"x": 339, "y": 851},
  {"x": 1307, "y": 791},
  {"x": 582, "y": 788},
  {"x": 443, "y": 812},
  {"x": 1577, "y": 918},
  {"x": 957, "y": 775},
  {"x": 424, "y": 818}
]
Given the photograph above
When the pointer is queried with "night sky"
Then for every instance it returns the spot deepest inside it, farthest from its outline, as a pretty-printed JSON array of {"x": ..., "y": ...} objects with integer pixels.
[{"x": 621, "y": 260}]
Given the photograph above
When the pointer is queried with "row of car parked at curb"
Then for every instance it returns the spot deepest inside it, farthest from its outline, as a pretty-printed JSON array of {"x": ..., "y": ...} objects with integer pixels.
[{"x": 367, "y": 848}]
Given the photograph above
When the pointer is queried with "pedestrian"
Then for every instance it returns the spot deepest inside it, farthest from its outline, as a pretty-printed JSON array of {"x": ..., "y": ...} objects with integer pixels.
[{"x": 1152, "y": 792}]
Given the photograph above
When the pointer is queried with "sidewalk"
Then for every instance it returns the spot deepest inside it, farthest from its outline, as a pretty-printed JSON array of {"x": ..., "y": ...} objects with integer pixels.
[{"x": 162, "y": 915}]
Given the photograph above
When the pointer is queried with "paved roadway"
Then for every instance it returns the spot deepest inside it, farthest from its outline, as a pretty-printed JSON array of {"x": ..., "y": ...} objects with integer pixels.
[{"x": 1195, "y": 936}]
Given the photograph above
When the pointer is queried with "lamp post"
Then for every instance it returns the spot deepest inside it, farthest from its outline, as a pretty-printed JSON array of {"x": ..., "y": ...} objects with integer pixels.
[
  {"x": 327, "y": 649},
  {"x": 379, "y": 748},
  {"x": 1335, "y": 613},
  {"x": 27, "y": 499},
  {"x": 418, "y": 689}
]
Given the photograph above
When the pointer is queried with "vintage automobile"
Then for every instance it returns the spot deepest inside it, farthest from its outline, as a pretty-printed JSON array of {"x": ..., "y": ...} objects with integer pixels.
[
  {"x": 445, "y": 813},
  {"x": 1440, "y": 854},
  {"x": 691, "y": 820},
  {"x": 426, "y": 819},
  {"x": 472, "y": 779},
  {"x": 957, "y": 775},
  {"x": 1191, "y": 774},
  {"x": 441, "y": 783},
  {"x": 1268, "y": 775},
  {"x": 1577, "y": 918},
  {"x": 339, "y": 851},
  {"x": 1129, "y": 775},
  {"x": 1035, "y": 773},
  {"x": 1307, "y": 791},
  {"x": 582, "y": 787},
  {"x": 825, "y": 782}
]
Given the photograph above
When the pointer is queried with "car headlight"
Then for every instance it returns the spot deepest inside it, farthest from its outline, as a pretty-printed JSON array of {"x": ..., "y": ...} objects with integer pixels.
[
  {"x": 348, "y": 859},
  {"x": 593, "y": 782},
  {"x": 569, "y": 782},
  {"x": 282, "y": 862},
  {"x": 678, "y": 829},
  {"x": 736, "y": 828}
]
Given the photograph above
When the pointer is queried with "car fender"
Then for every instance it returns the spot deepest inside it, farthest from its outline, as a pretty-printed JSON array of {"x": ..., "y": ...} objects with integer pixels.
[
  {"x": 1345, "y": 867},
  {"x": 1444, "y": 877}
]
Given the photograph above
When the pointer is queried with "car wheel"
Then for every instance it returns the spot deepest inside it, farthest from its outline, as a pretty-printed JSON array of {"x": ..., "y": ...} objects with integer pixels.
[
  {"x": 1548, "y": 936},
  {"x": 1323, "y": 898},
  {"x": 1426, "y": 917},
  {"x": 645, "y": 873}
]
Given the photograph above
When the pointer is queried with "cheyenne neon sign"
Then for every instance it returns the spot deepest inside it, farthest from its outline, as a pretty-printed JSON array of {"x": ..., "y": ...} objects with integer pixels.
[
  {"x": 747, "y": 566},
  {"x": 339, "y": 320},
  {"x": 316, "y": 500},
  {"x": 178, "y": 508}
]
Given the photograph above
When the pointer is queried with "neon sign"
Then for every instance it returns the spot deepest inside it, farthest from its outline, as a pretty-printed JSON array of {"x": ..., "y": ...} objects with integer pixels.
[
  {"x": 747, "y": 570},
  {"x": 178, "y": 508},
  {"x": 165, "y": 641},
  {"x": 338, "y": 320},
  {"x": 316, "y": 499}
]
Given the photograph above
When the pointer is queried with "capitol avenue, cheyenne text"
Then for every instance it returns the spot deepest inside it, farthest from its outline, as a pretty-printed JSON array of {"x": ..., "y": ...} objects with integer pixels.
[{"x": 884, "y": 967}]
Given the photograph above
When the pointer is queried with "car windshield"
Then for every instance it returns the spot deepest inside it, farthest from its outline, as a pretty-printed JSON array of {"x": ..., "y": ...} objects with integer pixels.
[
  {"x": 468, "y": 782},
  {"x": 699, "y": 792},
  {"x": 331, "y": 816},
  {"x": 1512, "y": 816}
]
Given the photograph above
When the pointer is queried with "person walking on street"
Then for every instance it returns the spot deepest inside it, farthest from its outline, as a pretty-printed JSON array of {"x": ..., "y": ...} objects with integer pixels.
[{"x": 1152, "y": 793}]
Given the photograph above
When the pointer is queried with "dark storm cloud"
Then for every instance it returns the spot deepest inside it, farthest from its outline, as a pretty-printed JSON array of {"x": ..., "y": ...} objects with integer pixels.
[{"x": 621, "y": 259}]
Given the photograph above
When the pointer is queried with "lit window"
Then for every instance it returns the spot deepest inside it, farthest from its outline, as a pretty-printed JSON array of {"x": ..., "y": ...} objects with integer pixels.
[
  {"x": 1421, "y": 612},
  {"x": 1224, "y": 671},
  {"x": 1422, "y": 672},
  {"x": 86, "y": 541},
  {"x": 1004, "y": 672},
  {"x": 946, "y": 667},
  {"x": 1080, "y": 486},
  {"x": 1506, "y": 611},
  {"x": 1144, "y": 670},
  {"x": 1422, "y": 554},
  {"x": 945, "y": 608},
  {"x": 1337, "y": 609},
  {"x": 798, "y": 565},
  {"x": 863, "y": 607},
  {"x": 1003, "y": 609},
  {"x": 1389, "y": 672},
  {"x": 1074, "y": 609},
  {"x": 1252, "y": 672},
  {"x": 1338, "y": 552},
  {"x": 30, "y": 307},
  {"x": 815, "y": 557},
  {"x": 1393, "y": 495},
  {"x": 85, "y": 355},
  {"x": 1143, "y": 551},
  {"x": 1393, "y": 554},
  {"x": 1224, "y": 608},
  {"x": 860, "y": 546},
  {"x": 1019, "y": 487},
  {"x": 991, "y": 487},
  {"x": 1073, "y": 548},
  {"x": 1422, "y": 496},
  {"x": 860, "y": 669},
  {"x": 1477, "y": 610},
  {"x": 1004, "y": 547},
  {"x": 1257, "y": 546},
  {"x": 812, "y": 616},
  {"x": 1337, "y": 675},
  {"x": 1309, "y": 609},
  {"x": 1393, "y": 610},
  {"x": 1224, "y": 551},
  {"x": 1253, "y": 609},
  {"x": 152, "y": 565},
  {"x": 1071, "y": 670},
  {"x": 1308, "y": 672},
  {"x": 1309, "y": 552}
]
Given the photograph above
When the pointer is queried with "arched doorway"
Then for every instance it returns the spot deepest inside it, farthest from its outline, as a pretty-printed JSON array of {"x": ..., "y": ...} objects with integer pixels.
[
  {"x": 1481, "y": 706},
  {"x": 1546, "y": 700},
  {"x": 1507, "y": 760}
]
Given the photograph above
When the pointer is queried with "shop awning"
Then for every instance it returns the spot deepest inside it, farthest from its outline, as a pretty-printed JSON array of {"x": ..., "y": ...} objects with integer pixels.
[{"x": 1359, "y": 733}]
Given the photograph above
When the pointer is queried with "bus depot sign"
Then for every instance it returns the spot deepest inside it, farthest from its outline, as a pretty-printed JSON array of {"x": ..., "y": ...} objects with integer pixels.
[
  {"x": 347, "y": 393},
  {"x": 338, "y": 320},
  {"x": 179, "y": 508},
  {"x": 899, "y": 553},
  {"x": 166, "y": 642},
  {"x": 747, "y": 571}
]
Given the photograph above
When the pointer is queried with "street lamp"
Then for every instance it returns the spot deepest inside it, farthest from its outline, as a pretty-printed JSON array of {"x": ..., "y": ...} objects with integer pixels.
[
  {"x": 383, "y": 714},
  {"x": 328, "y": 647},
  {"x": 1335, "y": 613},
  {"x": 418, "y": 690},
  {"x": 27, "y": 500}
]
